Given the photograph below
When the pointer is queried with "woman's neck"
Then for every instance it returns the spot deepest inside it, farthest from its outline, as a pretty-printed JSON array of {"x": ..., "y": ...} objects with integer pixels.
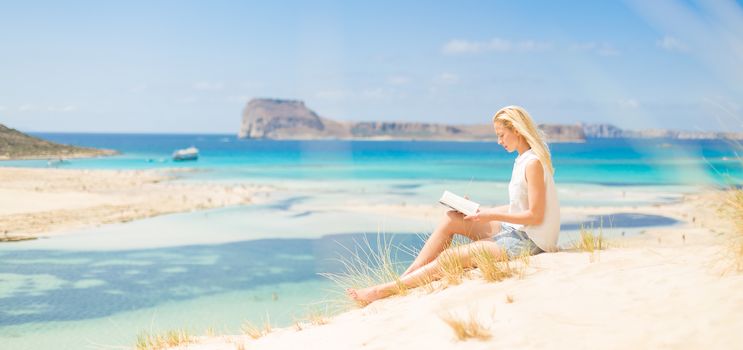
[{"x": 522, "y": 147}]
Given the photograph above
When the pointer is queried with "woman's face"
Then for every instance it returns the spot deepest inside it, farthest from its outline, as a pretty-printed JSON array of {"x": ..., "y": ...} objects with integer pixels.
[{"x": 507, "y": 137}]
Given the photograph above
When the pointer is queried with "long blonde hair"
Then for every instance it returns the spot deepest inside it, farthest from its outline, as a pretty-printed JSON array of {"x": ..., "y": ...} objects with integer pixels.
[{"x": 517, "y": 119}]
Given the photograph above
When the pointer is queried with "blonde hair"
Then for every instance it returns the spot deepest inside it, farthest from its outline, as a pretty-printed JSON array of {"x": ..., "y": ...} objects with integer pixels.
[{"x": 517, "y": 119}]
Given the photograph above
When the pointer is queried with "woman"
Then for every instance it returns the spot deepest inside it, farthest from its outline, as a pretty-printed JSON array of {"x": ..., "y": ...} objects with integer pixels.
[{"x": 530, "y": 224}]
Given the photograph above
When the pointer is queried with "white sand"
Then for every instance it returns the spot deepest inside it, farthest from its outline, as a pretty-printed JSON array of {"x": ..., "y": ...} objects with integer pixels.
[
  {"x": 37, "y": 202},
  {"x": 670, "y": 288}
]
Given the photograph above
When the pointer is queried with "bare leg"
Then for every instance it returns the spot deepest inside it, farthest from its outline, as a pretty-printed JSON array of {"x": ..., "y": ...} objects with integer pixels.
[
  {"x": 441, "y": 238},
  {"x": 429, "y": 272}
]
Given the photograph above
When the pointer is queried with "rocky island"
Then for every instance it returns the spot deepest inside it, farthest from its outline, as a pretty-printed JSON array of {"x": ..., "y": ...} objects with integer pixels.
[{"x": 291, "y": 120}]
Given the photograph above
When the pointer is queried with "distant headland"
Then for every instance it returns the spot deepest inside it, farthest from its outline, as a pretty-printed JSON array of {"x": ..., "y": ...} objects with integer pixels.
[
  {"x": 17, "y": 145},
  {"x": 265, "y": 118}
]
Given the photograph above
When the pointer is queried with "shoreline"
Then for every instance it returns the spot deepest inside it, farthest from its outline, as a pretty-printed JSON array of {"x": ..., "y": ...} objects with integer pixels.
[
  {"x": 77, "y": 155},
  {"x": 47, "y": 202}
]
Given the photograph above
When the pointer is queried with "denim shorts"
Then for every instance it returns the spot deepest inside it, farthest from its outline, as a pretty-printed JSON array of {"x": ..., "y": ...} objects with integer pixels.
[{"x": 515, "y": 242}]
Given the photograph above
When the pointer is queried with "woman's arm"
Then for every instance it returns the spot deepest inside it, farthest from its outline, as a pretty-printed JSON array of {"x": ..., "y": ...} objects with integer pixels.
[{"x": 537, "y": 201}]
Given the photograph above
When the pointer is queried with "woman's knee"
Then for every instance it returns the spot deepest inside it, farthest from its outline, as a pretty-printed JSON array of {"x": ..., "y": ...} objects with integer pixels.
[{"x": 452, "y": 220}]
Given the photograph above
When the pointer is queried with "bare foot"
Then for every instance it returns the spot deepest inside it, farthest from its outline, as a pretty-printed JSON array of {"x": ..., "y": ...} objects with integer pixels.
[{"x": 365, "y": 296}]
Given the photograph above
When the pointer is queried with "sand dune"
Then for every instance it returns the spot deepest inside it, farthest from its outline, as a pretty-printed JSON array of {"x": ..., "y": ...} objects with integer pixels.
[{"x": 670, "y": 288}]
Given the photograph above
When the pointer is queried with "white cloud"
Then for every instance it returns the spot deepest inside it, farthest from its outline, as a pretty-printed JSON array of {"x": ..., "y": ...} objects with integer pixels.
[
  {"x": 459, "y": 46},
  {"x": 712, "y": 32},
  {"x": 601, "y": 49},
  {"x": 398, "y": 80},
  {"x": 671, "y": 44},
  {"x": 67, "y": 108},
  {"x": 208, "y": 86},
  {"x": 531, "y": 45},
  {"x": 27, "y": 108},
  {"x": 238, "y": 98},
  {"x": 375, "y": 93},
  {"x": 606, "y": 50},
  {"x": 51, "y": 108},
  {"x": 629, "y": 103},
  {"x": 447, "y": 78}
]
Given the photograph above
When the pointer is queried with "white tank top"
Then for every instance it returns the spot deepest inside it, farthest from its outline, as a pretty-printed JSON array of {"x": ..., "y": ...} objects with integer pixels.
[{"x": 545, "y": 234}]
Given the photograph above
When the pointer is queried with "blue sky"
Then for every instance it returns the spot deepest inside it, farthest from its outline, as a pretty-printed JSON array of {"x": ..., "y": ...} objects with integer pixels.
[{"x": 191, "y": 66}]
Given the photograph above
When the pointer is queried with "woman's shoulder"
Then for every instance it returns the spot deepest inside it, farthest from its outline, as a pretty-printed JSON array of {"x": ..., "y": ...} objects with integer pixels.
[
  {"x": 535, "y": 169},
  {"x": 534, "y": 166}
]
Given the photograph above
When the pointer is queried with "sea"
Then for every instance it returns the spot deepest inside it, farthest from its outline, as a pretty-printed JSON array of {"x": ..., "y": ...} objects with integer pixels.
[{"x": 213, "y": 271}]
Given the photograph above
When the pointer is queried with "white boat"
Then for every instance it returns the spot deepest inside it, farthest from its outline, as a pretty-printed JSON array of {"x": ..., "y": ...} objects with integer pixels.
[{"x": 191, "y": 153}]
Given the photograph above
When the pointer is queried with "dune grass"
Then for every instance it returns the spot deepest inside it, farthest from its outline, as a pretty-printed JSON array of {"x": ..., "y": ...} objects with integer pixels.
[
  {"x": 589, "y": 241},
  {"x": 256, "y": 332},
  {"x": 451, "y": 268},
  {"x": 523, "y": 263},
  {"x": 733, "y": 209},
  {"x": 467, "y": 327},
  {"x": 365, "y": 265},
  {"x": 148, "y": 341},
  {"x": 314, "y": 317},
  {"x": 494, "y": 268}
]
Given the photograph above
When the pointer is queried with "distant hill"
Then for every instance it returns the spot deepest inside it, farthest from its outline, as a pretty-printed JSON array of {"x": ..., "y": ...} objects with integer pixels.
[
  {"x": 17, "y": 145},
  {"x": 611, "y": 131},
  {"x": 290, "y": 119}
]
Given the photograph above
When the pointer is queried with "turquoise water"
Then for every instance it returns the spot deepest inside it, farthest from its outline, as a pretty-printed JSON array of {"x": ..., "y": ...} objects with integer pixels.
[
  {"x": 599, "y": 161},
  {"x": 102, "y": 286}
]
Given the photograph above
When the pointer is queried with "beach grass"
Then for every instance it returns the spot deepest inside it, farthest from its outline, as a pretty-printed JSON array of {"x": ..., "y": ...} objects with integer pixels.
[
  {"x": 148, "y": 341},
  {"x": 451, "y": 268},
  {"x": 734, "y": 211},
  {"x": 256, "y": 332},
  {"x": 318, "y": 319},
  {"x": 590, "y": 242},
  {"x": 466, "y": 327},
  {"x": 523, "y": 262},
  {"x": 365, "y": 266},
  {"x": 315, "y": 317},
  {"x": 494, "y": 268}
]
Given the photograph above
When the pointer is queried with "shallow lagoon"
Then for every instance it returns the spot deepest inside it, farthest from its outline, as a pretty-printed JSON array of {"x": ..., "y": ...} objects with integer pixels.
[{"x": 216, "y": 269}]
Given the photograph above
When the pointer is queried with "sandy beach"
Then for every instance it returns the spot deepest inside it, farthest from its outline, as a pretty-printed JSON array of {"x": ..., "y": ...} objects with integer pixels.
[
  {"x": 40, "y": 202},
  {"x": 668, "y": 288}
]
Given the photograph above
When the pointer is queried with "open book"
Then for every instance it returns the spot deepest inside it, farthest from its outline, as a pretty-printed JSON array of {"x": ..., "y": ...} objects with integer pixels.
[{"x": 462, "y": 205}]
